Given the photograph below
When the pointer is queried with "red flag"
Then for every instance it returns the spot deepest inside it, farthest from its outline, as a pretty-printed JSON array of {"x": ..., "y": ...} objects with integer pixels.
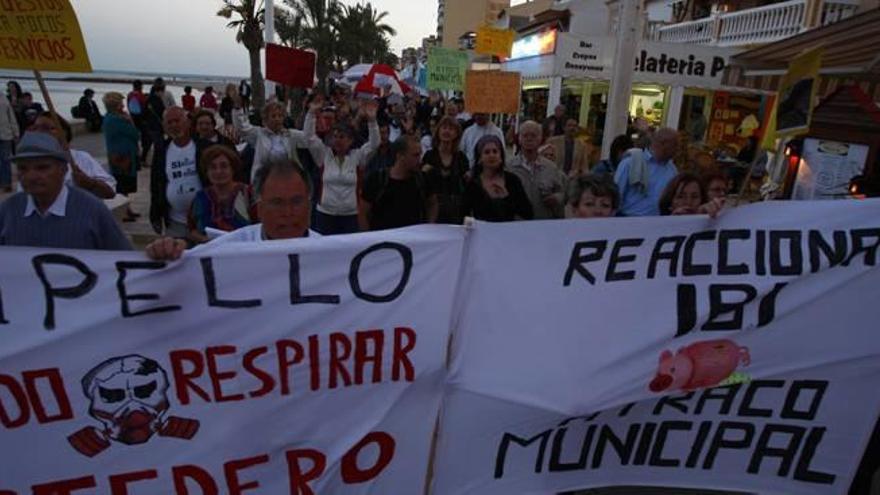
[
  {"x": 368, "y": 83},
  {"x": 289, "y": 66}
]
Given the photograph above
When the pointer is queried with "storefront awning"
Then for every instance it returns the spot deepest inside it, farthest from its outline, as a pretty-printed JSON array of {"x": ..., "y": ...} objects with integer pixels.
[{"x": 850, "y": 55}]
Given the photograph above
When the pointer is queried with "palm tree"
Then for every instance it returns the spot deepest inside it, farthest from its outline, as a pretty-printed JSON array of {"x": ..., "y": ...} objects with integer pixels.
[
  {"x": 248, "y": 22},
  {"x": 289, "y": 27},
  {"x": 320, "y": 33}
]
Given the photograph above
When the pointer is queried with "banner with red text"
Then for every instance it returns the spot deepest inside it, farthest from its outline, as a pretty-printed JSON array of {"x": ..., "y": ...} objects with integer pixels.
[
  {"x": 734, "y": 354},
  {"x": 304, "y": 366},
  {"x": 41, "y": 35}
]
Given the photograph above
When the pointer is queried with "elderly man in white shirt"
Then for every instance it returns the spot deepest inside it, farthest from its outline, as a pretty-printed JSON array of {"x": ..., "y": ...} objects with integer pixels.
[
  {"x": 283, "y": 194},
  {"x": 482, "y": 127}
]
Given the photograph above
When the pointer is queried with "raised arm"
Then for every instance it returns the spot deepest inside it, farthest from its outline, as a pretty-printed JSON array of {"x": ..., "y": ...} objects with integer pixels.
[
  {"x": 369, "y": 110},
  {"x": 241, "y": 124},
  {"x": 310, "y": 137}
]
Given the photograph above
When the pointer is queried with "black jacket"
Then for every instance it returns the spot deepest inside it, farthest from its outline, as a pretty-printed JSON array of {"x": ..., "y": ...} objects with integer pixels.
[{"x": 159, "y": 206}]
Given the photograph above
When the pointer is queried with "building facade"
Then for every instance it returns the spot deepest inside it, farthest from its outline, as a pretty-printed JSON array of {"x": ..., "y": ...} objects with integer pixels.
[{"x": 458, "y": 17}]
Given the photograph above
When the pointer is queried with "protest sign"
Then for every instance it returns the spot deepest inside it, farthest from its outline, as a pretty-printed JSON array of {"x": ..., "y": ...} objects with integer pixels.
[
  {"x": 41, "y": 36},
  {"x": 494, "y": 41},
  {"x": 585, "y": 356},
  {"x": 797, "y": 93},
  {"x": 446, "y": 69},
  {"x": 308, "y": 366},
  {"x": 492, "y": 92},
  {"x": 289, "y": 66}
]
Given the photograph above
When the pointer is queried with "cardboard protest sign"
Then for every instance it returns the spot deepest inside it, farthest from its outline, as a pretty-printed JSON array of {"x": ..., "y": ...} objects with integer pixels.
[
  {"x": 447, "y": 69},
  {"x": 41, "y": 35},
  {"x": 308, "y": 366},
  {"x": 289, "y": 66},
  {"x": 797, "y": 93},
  {"x": 670, "y": 352},
  {"x": 492, "y": 92},
  {"x": 494, "y": 41}
]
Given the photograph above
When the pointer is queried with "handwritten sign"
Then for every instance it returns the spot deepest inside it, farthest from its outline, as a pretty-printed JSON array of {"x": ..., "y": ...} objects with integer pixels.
[
  {"x": 41, "y": 35},
  {"x": 492, "y": 92},
  {"x": 289, "y": 66},
  {"x": 446, "y": 69},
  {"x": 492, "y": 41}
]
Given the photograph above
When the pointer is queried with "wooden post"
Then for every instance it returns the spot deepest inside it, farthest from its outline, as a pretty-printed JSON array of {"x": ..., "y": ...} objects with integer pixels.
[{"x": 48, "y": 99}]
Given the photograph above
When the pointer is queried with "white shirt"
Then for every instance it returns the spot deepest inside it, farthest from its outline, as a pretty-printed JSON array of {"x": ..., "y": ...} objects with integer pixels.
[
  {"x": 473, "y": 134},
  {"x": 251, "y": 233},
  {"x": 427, "y": 141},
  {"x": 183, "y": 179},
  {"x": 90, "y": 167},
  {"x": 58, "y": 208}
]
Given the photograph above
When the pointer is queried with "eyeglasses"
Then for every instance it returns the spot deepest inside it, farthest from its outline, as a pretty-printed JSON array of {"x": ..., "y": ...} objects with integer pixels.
[{"x": 282, "y": 203}]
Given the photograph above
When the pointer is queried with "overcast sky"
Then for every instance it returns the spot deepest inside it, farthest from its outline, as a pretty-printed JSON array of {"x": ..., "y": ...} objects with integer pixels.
[{"x": 186, "y": 36}]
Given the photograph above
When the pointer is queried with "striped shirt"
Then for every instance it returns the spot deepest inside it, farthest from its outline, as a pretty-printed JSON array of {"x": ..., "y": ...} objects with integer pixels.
[{"x": 77, "y": 220}]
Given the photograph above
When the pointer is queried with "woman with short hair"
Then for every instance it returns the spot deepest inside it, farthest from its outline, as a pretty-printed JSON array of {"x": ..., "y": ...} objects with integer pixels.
[
  {"x": 224, "y": 204},
  {"x": 121, "y": 138},
  {"x": 446, "y": 168}
]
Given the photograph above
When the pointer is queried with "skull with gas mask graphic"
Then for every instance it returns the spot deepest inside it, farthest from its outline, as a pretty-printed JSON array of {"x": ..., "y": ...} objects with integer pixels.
[{"x": 129, "y": 398}]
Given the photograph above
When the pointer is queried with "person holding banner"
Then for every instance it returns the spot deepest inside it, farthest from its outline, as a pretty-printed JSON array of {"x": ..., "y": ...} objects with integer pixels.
[
  {"x": 283, "y": 190},
  {"x": 49, "y": 213},
  {"x": 593, "y": 196},
  {"x": 686, "y": 195},
  {"x": 493, "y": 194},
  {"x": 224, "y": 204},
  {"x": 341, "y": 170}
]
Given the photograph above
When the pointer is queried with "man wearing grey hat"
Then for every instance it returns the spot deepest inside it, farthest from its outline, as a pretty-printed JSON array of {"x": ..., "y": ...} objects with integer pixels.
[{"x": 48, "y": 213}]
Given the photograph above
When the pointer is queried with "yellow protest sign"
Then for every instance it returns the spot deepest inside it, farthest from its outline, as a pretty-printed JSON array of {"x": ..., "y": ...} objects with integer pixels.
[
  {"x": 41, "y": 35},
  {"x": 492, "y": 41},
  {"x": 797, "y": 92},
  {"x": 492, "y": 92}
]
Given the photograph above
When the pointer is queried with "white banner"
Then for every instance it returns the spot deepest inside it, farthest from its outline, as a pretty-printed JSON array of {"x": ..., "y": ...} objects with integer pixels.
[
  {"x": 307, "y": 366},
  {"x": 681, "y": 64},
  {"x": 585, "y": 353}
]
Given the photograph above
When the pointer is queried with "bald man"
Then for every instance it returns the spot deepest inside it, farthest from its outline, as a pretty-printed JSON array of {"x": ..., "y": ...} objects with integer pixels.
[
  {"x": 174, "y": 178},
  {"x": 643, "y": 174}
]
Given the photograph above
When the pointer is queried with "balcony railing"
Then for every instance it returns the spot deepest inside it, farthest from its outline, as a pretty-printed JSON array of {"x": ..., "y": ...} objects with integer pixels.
[{"x": 753, "y": 26}]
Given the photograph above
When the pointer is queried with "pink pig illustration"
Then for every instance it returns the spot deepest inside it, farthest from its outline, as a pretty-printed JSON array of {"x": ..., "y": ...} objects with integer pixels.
[{"x": 699, "y": 365}]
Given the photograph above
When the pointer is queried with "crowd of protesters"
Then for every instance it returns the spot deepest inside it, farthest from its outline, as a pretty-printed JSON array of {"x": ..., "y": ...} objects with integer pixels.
[{"x": 368, "y": 163}]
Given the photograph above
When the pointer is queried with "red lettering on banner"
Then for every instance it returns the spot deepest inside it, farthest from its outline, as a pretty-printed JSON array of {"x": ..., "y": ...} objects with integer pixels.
[
  {"x": 119, "y": 482},
  {"x": 200, "y": 476},
  {"x": 65, "y": 487},
  {"x": 352, "y": 474},
  {"x": 285, "y": 361},
  {"x": 21, "y": 403},
  {"x": 7, "y": 492},
  {"x": 401, "y": 349},
  {"x": 340, "y": 351},
  {"x": 265, "y": 378},
  {"x": 184, "y": 380},
  {"x": 57, "y": 383},
  {"x": 362, "y": 357},
  {"x": 299, "y": 481},
  {"x": 314, "y": 362},
  {"x": 231, "y": 469},
  {"x": 211, "y": 354}
]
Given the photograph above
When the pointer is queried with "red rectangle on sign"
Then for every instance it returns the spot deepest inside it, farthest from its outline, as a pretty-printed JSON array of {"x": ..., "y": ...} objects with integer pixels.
[{"x": 289, "y": 66}]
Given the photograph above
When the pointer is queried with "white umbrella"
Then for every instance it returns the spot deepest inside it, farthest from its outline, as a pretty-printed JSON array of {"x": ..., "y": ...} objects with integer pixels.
[{"x": 357, "y": 72}]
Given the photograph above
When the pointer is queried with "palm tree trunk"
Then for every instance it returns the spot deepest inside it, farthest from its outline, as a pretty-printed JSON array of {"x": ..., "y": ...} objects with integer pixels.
[{"x": 257, "y": 80}]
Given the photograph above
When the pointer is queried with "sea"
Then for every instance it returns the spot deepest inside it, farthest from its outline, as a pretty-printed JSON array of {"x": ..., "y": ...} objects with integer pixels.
[{"x": 66, "y": 88}]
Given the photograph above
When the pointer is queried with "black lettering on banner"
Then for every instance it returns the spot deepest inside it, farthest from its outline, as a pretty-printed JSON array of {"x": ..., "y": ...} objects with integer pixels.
[
  {"x": 354, "y": 273},
  {"x": 588, "y": 418},
  {"x": 796, "y": 253},
  {"x": 786, "y": 454},
  {"x": 818, "y": 387},
  {"x": 522, "y": 442},
  {"x": 688, "y": 268},
  {"x": 296, "y": 295},
  {"x": 802, "y": 472},
  {"x": 686, "y": 302},
  {"x": 578, "y": 259},
  {"x": 3, "y": 320},
  {"x": 674, "y": 402},
  {"x": 626, "y": 409},
  {"x": 724, "y": 238},
  {"x": 211, "y": 289},
  {"x": 123, "y": 268},
  {"x": 612, "y": 275},
  {"x": 760, "y": 252},
  {"x": 717, "y": 306},
  {"x": 720, "y": 440},
  {"x": 697, "y": 447},
  {"x": 671, "y": 256},
  {"x": 90, "y": 279},
  {"x": 767, "y": 307},
  {"x": 858, "y": 246},
  {"x": 645, "y": 442},
  {"x": 818, "y": 247},
  {"x": 657, "y": 459},
  {"x": 556, "y": 462},
  {"x": 745, "y": 408},
  {"x": 624, "y": 448},
  {"x": 725, "y": 395}
]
